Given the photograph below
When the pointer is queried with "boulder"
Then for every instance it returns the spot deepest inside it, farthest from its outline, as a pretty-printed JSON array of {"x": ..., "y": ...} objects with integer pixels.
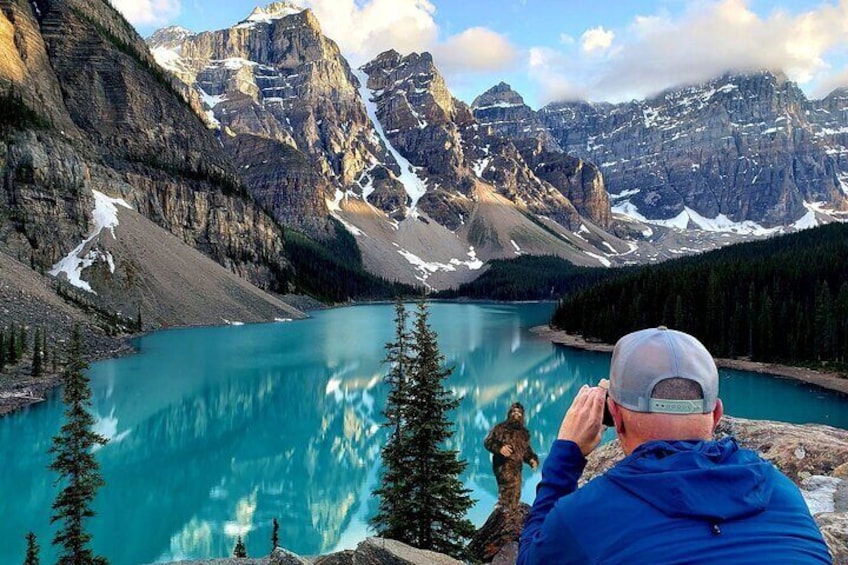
[
  {"x": 503, "y": 527},
  {"x": 507, "y": 555},
  {"x": 799, "y": 451},
  {"x": 834, "y": 528},
  {"x": 340, "y": 558},
  {"x": 282, "y": 556},
  {"x": 378, "y": 551}
]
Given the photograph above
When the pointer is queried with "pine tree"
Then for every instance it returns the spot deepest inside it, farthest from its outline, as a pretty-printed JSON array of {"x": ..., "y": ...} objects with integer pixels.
[
  {"x": 32, "y": 550},
  {"x": 75, "y": 463},
  {"x": 437, "y": 501},
  {"x": 22, "y": 342},
  {"x": 2, "y": 349},
  {"x": 275, "y": 535},
  {"x": 239, "y": 550},
  {"x": 392, "y": 518},
  {"x": 37, "y": 354}
]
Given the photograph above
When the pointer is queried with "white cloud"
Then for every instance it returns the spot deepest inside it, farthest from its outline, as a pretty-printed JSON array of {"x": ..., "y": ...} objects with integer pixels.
[
  {"x": 566, "y": 39},
  {"x": 148, "y": 12},
  {"x": 596, "y": 40},
  {"x": 830, "y": 82},
  {"x": 365, "y": 29},
  {"x": 475, "y": 49},
  {"x": 709, "y": 38},
  {"x": 546, "y": 67}
]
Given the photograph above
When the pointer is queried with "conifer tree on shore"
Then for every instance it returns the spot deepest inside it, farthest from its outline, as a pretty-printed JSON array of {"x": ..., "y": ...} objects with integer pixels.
[
  {"x": 37, "y": 354},
  {"x": 32, "y": 550},
  {"x": 75, "y": 464},
  {"x": 12, "y": 346},
  {"x": 423, "y": 501},
  {"x": 391, "y": 519},
  {"x": 239, "y": 550},
  {"x": 275, "y": 535}
]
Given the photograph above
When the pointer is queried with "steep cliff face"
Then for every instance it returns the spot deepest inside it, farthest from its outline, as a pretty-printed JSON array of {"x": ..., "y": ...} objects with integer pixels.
[
  {"x": 275, "y": 77},
  {"x": 384, "y": 148},
  {"x": 453, "y": 150},
  {"x": 422, "y": 122},
  {"x": 739, "y": 148},
  {"x": 99, "y": 116},
  {"x": 502, "y": 112},
  {"x": 503, "y": 109}
]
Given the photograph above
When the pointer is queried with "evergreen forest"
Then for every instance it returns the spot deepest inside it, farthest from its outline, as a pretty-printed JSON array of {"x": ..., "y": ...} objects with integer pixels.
[
  {"x": 780, "y": 300},
  {"x": 332, "y": 271},
  {"x": 528, "y": 277}
]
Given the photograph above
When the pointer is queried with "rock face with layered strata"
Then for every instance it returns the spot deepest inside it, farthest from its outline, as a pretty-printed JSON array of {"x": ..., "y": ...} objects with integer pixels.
[
  {"x": 98, "y": 114},
  {"x": 503, "y": 109},
  {"x": 451, "y": 149},
  {"x": 275, "y": 85},
  {"x": 738, "y": 148}
]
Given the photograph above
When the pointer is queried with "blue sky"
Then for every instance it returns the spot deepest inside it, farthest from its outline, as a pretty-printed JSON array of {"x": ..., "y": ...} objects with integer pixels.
[{"x": 566, "y": 49}]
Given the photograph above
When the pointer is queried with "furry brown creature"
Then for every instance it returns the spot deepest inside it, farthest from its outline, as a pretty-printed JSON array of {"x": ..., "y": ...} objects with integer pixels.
[{"x": 509, "y": 442}]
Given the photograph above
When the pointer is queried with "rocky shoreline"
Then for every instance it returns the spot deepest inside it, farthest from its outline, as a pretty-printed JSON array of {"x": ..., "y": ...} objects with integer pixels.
[
  {"x": 19, "y": 389},
  {"x": 837, "y": 382}
]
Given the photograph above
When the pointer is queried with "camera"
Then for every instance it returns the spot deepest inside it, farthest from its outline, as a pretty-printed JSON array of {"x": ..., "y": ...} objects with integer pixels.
[{"x": 607, "y": 421}]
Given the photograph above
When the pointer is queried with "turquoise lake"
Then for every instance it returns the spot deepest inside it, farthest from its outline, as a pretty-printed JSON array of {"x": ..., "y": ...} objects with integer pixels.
[{"x": 216, "y": 431}]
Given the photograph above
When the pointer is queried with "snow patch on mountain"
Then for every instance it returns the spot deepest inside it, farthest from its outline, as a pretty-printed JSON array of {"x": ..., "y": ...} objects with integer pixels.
[
  {"x": 426, "y": 268},
  {"x": 267, "y": 15},
  {"x": 602, "y": 260},
  {"x": 413, "y": 184},
  {"x": 720, "y": 224},
  {"x": 169, "y": 59},
  {"x": 105, "y": 216}
]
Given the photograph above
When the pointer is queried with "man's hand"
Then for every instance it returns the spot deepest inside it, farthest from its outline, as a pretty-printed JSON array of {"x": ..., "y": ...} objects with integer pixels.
[
  {"x": 534, "y": 463},
  {"x": 506, "y": 450},
  {"x": 582, "y": 422}
]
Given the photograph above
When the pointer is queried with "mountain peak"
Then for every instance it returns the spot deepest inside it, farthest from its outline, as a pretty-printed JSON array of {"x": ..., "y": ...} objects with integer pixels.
[
  {"x": 500, "y": 95},
  {"x": 170, "y": 35},
  {"x": 273, "y": 11}
]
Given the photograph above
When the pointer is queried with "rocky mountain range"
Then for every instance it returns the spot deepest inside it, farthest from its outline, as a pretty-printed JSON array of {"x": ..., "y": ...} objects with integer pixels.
[
  {"x": 743, "y": 152},
  {"x": 212, "y": 144},
  {"x": 430, "y": 193},
  {"x": 433, "y": 188}
]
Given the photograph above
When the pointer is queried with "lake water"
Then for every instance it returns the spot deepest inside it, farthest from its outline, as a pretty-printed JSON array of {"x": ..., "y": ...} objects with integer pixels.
[{"x": 216, "y": 431}]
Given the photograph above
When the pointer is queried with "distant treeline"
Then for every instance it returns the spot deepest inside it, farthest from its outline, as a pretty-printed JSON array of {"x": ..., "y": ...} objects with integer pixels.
[
  {"x": 528, "y": 277},
  {"x": 332, "y": 271},
  {"x": 784, "y": 299}
]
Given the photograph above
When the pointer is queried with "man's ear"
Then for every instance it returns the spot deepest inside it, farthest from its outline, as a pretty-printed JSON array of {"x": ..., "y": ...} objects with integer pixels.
[
  {"x": 615, "y": 411},
  {"x": 718, "y": 412}
]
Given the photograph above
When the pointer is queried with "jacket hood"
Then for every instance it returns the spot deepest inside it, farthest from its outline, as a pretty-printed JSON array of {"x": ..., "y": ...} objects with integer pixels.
[{"x": 708, "y": 480}]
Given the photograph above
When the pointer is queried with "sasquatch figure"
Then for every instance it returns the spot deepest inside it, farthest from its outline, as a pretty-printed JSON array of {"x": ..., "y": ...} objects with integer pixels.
[{"x": 509, "y": 441}]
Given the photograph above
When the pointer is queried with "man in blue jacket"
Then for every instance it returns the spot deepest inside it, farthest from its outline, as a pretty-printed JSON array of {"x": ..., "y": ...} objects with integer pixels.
[{"x": 678, "y": 496}]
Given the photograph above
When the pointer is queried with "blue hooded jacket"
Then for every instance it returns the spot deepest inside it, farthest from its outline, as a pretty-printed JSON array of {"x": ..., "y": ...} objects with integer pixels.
[{"x": 670, "y": 502}]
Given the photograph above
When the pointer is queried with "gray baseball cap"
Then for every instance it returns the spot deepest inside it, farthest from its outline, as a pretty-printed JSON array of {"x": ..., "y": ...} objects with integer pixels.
[{"x": 642, "y": 359}]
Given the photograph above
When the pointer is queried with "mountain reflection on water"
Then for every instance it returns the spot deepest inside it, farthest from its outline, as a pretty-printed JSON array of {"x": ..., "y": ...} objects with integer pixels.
[{"x": 216, "y": 431}]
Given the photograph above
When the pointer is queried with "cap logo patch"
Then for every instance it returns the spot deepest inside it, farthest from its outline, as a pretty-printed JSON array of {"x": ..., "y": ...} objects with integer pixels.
[{"x": 666, "y": 406}]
